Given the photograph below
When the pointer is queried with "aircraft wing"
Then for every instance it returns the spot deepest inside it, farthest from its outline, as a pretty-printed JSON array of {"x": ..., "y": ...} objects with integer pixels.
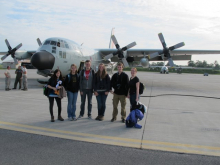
[
  {"x": 21, "y": 54},
  {"x": 176, "y": 54}
]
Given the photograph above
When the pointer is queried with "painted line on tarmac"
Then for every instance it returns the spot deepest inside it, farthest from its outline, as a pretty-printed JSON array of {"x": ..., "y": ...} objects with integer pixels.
[
  {"x": 72, "y": 137},
  {"x": 135, "y": 143}
]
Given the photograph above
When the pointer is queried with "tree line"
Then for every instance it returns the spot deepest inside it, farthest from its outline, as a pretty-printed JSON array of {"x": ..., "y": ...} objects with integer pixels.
[
  {"x": 198, "y": 63},
  {"x": 204, "y": 64}
]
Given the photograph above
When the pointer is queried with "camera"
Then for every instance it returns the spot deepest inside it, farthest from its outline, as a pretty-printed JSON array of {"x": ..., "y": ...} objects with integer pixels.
[{"x": 118, "y": 86}]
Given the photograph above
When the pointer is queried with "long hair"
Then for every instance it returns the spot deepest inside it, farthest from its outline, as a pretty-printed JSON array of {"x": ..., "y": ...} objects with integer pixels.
[
  {"x": 104, "y": 72},
  {"x": 76, "y": 68},
  {"x": 55, "y": 77}
]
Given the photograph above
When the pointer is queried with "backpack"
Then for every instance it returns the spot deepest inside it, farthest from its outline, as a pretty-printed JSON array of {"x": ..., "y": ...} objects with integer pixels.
[
  {"x": 45, "y": 90},
  {"x": 141, "y": 88}
]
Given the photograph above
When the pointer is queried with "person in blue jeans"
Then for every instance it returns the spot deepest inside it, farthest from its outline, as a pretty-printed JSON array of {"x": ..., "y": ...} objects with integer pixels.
[
  {"x": 101, "y": 89},
  {"x": 133, "y": 91},
  {"x": 86, "y": 88},
  {"x": 72, "y": 88}
]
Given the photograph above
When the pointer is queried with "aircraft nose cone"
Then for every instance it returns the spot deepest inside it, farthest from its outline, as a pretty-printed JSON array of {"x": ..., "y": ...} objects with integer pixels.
[{"x": 43, "y": 60}]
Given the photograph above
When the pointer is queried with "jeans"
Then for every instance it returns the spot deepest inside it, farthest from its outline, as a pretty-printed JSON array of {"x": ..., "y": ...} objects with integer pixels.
[
  {"x": 101, "y": 99},
  {"x": 71, "y": 107},
  {"x": 89, "y": 93},
  {"x": 133, "y": 98}
]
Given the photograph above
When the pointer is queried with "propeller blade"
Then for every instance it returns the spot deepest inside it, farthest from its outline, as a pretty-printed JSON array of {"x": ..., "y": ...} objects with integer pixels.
[
  {"x": 17, "y": 47},
  {"x": 129, "y": 46},
  {"x": 39, "y": 42},
  {"x": 171, "y": 62},
  {"x": 177, "y": 46},
  {"x": 4, "y": 57},
  {"x": 115, "y": 41},
  {"x": 162, "y": 40},
  {"x": 8, "y": 45},
  {"x": 153, "y": 55},
  {"x": 15, "y": 61},
  {"x": 108, "y": 56},
  {"x": 125, "y": 62}
]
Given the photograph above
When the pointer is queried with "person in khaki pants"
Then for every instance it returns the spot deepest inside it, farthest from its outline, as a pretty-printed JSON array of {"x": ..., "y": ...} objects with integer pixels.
[{"x": 119, "y": 82}]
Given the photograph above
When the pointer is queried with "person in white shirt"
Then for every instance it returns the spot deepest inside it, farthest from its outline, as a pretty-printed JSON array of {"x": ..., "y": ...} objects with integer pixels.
[
  {"x": 24, "y": 75},
  {"x": 7, "y": 79}
]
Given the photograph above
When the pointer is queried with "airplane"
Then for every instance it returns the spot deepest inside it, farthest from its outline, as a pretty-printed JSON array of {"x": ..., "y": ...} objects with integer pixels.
[{"x": 60, "y": 53}]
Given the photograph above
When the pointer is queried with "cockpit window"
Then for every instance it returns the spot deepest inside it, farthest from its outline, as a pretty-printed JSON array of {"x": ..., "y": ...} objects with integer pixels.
[
  {"x": 47, "y": 42},
  {"x": 53, "y": 43}
]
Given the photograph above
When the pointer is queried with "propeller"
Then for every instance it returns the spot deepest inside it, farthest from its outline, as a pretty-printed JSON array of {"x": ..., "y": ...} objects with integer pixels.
[
  {"x": 120, "y": 51},
  {"x": 11, "y": 51},
  {"x": 39, "y": 41},
  {"x": 166, "y": 51}
]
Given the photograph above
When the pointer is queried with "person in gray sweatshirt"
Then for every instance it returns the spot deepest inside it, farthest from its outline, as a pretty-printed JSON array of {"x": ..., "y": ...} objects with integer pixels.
[{"x": 86, "y": 88}]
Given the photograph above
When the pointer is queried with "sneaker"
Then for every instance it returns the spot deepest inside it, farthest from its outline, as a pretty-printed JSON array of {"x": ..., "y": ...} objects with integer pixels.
[
  {"x": 101, "y": 118},
  {"x": 123, "y": 120},
  {"x": 90, "y": 116},
  {"x": 7, "y": 89},
  {"x": 113, "y": 119},
  {"x": 80, "y": 117},
  {"x": 70, "y": 118},
  {"x": 74, "y": 118},
  {"x": 97, "y": 118},
  {"x": 13, "y": 88}
]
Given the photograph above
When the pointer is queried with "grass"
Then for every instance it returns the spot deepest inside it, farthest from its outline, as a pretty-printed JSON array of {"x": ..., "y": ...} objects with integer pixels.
[{"x": 197, "y": 71}]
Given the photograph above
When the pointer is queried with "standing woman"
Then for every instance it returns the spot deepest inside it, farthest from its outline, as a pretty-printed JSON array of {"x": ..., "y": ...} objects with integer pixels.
[
  {"x": 133, "y": 85},
  {"x": 101, "y": 90},
  {"x": 57, "y": 76},
  {"x": 72, "y": 88}
]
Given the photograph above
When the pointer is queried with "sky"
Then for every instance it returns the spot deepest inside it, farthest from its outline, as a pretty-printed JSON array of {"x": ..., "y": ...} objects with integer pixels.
[{"x": 195, "y": 22}]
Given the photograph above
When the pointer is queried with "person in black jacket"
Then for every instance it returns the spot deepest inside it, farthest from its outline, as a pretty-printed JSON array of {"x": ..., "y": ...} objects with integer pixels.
[
  {"x": 133, "y": 87},
  {"x": 72, "y": 88},
  {"x": 101, "y": 90},
  {"x": 52, "y": 83},
  {"x": 119, "y": 82}
]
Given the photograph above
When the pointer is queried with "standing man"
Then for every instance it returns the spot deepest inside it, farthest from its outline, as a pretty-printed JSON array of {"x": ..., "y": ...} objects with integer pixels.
[
  {"x": 86, "y": 88},
  {"x": 24, "y": 73},
  {"x": 119, "y": 82},
  {"x": 18, "y": 78},
  {"x": 7, "y": 79}
]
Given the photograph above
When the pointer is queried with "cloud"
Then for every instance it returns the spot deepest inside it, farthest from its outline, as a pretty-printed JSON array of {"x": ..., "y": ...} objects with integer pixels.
[{"x": 192, "y": 21}]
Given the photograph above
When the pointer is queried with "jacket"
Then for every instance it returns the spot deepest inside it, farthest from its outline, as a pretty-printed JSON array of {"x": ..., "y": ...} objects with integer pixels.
[
  {"x": 52, "y": 82},
  {"x": 132, "y": 118},
  {"x": 103, "y": 84},
  {"x": 120, "y": 83},
  {"x": 70, "y": 84},
  {"x": 86, "y": 84}
]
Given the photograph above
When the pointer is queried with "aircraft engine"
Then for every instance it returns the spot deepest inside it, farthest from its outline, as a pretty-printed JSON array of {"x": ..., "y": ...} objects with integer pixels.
[{"x": 144, "y": 62}]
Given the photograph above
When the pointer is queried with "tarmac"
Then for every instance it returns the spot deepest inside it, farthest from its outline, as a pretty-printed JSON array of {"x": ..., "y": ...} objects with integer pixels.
[{"x": 182, "y": 117}]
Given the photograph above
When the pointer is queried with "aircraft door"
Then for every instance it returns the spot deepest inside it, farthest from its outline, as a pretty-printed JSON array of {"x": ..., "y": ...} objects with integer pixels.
[{"x": 81, "y": 66}]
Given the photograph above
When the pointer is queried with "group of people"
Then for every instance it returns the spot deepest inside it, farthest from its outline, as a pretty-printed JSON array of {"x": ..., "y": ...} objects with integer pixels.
[
  {"x": 87, "y": 82},
  {"x": 21, "y": 74}
]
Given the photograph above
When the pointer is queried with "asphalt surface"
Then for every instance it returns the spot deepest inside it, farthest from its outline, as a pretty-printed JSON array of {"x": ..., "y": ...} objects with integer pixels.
[
  {"x": 25, "y": 149},
  {"x": 186, "y": 126}
]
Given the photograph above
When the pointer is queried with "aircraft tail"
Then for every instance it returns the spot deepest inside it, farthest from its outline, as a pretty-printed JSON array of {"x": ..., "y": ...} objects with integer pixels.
[{"x": 111, "y": 44}]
